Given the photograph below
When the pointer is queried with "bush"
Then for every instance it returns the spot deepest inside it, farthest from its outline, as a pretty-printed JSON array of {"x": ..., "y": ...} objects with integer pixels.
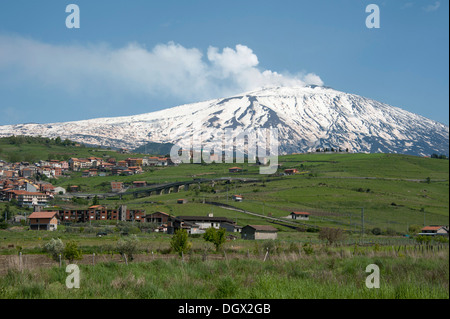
[
  {"x": 72, "y": 252},
  {"x": 308, "y": 249},
  {"x": 54, "y": 247},
  {"x": 390, "y": 232},
  {"x": 215, "y": 236},
  {"x": 180, "y": 242},
  {"x": 128, "y": 246},
  {"x": 414, "y": 229},
  {"x": 440, "y": 239},
  {"x": 376, "y": 231},
  {"x": 331, "y": 235}
]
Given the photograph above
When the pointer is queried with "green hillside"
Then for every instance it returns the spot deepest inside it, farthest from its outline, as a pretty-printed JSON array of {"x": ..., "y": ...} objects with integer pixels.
[
  {"x": 32, "y": 149},
  {"x": 393, "y": 191}
]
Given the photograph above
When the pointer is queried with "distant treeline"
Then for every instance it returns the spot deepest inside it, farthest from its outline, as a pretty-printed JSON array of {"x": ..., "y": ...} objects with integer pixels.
[
  {"x": 24, "y": 148},
  {"x": 442, "y": 156},
  {"x": 21, "y": 139},
  {"x": 331, "y": 149}
]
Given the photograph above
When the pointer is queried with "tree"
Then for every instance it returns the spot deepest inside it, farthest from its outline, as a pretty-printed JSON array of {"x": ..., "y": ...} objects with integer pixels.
[
  {"x": 414, "y": 229},
  {"x": 54, "y": 247},
  {"x": 331, "y": 235},
  {"x": 215, "y": 236},
  {"x": 128, "y": 246},
  {"x": 180, "y": 242},
  {"x": 72, "y": 252},
  {"x": 376, "y": 231},
  {"x": 7, "y": 213},
  {"x": 95, "y": 200}
]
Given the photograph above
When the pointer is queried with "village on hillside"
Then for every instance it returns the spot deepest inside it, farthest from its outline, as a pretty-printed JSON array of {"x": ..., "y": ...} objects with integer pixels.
[{"x": 27, "y": 185}]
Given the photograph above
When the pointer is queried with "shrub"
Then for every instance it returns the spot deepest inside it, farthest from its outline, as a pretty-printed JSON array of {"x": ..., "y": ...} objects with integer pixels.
[
  {"x": 331, "y": 235},
  {"x": 440, "y": 239},
  {"x": 215, "y": 236},
  {"x": 307, "y": 248},
  {"x": 128, "y": 246},
  {"x": 414, "y": 229},
  {"x": 376, "y": 231},
  {"x": 180, "y": 242},
  {"x": 72, "y": 252},
  {"x": 390, "y": 232},
  {"x": 54, "y": 247}
]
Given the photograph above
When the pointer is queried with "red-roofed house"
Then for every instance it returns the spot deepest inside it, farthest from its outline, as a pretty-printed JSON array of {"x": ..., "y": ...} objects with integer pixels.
[
  {"x": 434, "y": 230},
  {"x": 43, "y": 220}
]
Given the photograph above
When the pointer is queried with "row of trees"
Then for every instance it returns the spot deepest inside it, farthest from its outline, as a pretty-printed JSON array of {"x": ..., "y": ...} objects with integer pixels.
[
  {"x": 128, "y": 246},
  {"x": 22, "y": 139},
  {"x": 180, "y": 241},
  {"x": 332, "y": 149},
  {"x": 442, "y": 156}
]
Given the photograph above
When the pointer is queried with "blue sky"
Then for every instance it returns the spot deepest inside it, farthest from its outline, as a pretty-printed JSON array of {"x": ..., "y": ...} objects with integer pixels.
[{"x": 133, "y": 57}]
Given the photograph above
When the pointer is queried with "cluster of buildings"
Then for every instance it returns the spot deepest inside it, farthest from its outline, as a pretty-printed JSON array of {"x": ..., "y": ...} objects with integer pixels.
[
  {"x": 26, "y": 192},
  {"x": 165, "y": 223},
  {"x": 91, "y": 166},
  {"x": 18, "y": 181},
  {"x": 169, "y": 224},
  {"x": 51, "y": 169},
  {"x": 94, "y": 166}
]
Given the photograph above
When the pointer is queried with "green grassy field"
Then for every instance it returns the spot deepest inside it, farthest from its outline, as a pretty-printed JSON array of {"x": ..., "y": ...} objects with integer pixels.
[{"x": 282, "y": 277}]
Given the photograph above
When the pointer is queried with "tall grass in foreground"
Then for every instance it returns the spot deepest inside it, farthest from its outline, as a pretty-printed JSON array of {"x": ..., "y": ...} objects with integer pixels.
[{"x": 310, "y": 277}]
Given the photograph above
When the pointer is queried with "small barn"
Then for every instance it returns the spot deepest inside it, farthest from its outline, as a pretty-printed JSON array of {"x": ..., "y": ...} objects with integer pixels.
[
  {"x": 255, "y": 232},
  {"x": 237, "y": 198},
  {"x": 434, "y": 231},
  {"x": 300, "y": 215},
  {"x": 235, "y": 170},
  {"x": 43, "y": 221}
]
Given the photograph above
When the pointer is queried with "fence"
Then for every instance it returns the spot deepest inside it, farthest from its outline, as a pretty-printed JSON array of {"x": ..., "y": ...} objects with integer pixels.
[{"x": 23, "y": 262}]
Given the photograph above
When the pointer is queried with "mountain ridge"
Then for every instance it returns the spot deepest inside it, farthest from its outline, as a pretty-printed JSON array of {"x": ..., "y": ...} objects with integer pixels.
[{"x": 306, "y": 118}]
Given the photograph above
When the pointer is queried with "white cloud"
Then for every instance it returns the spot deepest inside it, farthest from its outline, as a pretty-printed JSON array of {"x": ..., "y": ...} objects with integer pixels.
[
  {"x": 432, "y": 7},
  {"x": 169, "y": 70}
]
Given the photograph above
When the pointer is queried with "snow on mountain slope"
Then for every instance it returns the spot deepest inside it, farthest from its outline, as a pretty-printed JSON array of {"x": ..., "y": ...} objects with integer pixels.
[{"x": 306, "y": 118}]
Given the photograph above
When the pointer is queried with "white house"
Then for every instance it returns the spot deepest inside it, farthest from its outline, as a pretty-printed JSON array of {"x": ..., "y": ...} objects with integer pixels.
[{"x": 300, "y": 215}]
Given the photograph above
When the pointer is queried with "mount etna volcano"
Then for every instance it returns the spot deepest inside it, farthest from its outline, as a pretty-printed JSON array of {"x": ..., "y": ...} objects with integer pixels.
[{"x": 307, "y": 118}]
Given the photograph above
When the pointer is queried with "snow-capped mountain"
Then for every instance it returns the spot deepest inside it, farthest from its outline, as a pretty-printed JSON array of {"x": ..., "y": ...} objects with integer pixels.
[{"x": 307, "y": 118}]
